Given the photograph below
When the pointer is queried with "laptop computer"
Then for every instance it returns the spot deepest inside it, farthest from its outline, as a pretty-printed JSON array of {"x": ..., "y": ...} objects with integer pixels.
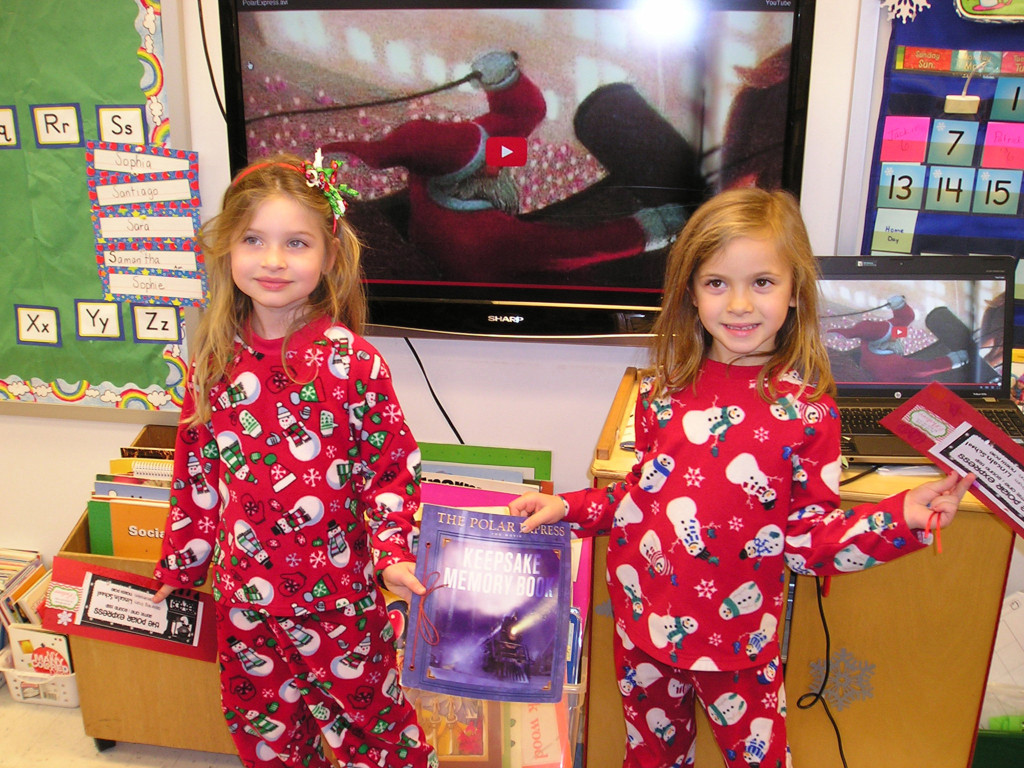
[{"x": 893, "y": 324}]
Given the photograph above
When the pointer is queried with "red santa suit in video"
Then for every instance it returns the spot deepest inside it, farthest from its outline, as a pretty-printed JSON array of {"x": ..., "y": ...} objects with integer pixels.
[
  {"x": 881, "y": 353},
  {"x": 456, "y": 232}
]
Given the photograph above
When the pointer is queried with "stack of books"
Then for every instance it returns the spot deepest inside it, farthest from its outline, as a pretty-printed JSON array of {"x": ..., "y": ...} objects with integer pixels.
[
  {"x": 23, "y": 581},
  {"x": 495, "y": 732},
  {"x": 36, "y": 658},
  {"x": 128, "y": 506},
  {"x": 37, "y": 667}
]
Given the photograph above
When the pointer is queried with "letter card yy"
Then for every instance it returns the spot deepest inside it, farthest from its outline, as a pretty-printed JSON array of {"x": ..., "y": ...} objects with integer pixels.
[
  {"x": 955, "y": 436},
  {"x": 116, "y": 606},
  {"x": 494, "y": 622}
]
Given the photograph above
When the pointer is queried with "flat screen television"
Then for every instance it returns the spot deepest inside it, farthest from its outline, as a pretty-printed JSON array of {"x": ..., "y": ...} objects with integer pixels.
[{"x": 522, "y": 167}]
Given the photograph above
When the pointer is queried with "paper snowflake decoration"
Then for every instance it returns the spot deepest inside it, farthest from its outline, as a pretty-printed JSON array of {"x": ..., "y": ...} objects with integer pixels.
[
  {"x": 849, "y": 679},
  {"x": 904, "y": 9}
]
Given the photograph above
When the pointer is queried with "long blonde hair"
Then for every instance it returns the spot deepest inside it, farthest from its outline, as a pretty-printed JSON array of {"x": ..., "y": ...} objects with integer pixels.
[
  {"x": 680, "y": 344},
  {"x": 339, "y": 295}
]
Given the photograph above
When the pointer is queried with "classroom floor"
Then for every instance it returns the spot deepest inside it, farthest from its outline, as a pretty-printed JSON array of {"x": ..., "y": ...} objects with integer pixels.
[{"x": 40, "y": 736}]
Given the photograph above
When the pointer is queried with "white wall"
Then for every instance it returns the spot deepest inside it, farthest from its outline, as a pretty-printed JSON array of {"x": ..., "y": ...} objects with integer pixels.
[{"x": 518, "y": 394}]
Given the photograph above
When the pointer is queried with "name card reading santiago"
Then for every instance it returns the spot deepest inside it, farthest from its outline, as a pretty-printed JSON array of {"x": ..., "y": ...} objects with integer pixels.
[{"x": 142, "y": 192}]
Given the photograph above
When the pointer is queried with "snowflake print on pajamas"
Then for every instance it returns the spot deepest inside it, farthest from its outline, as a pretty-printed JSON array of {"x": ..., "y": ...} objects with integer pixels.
[
  {"x": 706, "y": 588},
  {"x": 761, "y": 434},
  {"x": 206, "y": 524},
  {"x": 393, "y": 413},
  {"x": 317, "y": 558},
  {"x": 293, "y": 560},
  {"x": 312, "y": 477},
  {"x": 314, "y": 357},
  {"x": 694, "y": 476}
]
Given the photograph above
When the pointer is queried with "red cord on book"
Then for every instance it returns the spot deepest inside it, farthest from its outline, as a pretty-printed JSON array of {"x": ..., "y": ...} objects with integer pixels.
[
  {"x": 424, "y": 626},
  {"x": 938, "y": 530}
]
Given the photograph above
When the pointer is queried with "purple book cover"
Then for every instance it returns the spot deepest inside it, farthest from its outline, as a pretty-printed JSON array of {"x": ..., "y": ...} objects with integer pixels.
[{"x": 494, "y": 623}]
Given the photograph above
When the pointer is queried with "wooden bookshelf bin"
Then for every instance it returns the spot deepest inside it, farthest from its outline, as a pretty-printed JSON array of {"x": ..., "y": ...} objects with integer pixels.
[
  {"x": 145, "y": 697},
  {"x": 136, "y": 695}
]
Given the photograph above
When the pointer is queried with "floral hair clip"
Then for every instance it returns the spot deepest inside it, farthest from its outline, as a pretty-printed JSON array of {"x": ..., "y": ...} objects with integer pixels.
[
  {"x": 326, "y": 180},
  {"x": 318, "y": 177}
]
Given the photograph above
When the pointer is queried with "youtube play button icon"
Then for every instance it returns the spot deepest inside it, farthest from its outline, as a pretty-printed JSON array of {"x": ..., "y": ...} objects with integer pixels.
[{"x": 505, "y": 151}]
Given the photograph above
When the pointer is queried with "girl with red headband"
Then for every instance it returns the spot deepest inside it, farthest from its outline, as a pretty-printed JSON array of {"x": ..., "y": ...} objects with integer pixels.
[{"x": 295, "y": 481}]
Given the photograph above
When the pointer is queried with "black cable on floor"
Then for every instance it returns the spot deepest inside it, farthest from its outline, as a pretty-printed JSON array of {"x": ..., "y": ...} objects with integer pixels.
[
  {"x": 432, "y": 393},
  {"x": 808, "y": 700}
]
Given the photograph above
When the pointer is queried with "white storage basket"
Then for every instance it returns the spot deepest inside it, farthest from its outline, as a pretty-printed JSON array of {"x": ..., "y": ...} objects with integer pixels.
[{"x": 38, "y": 687}]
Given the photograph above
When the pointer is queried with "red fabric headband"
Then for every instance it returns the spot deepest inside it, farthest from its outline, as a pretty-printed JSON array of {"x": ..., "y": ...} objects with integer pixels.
[{"x": 324, "y": 179}]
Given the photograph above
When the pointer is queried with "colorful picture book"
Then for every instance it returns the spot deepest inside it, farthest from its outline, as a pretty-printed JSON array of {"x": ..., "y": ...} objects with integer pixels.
[
  {"x": 35, "y": 649},
  {"x": 29, "y": 605},
  {"x": 19, "y": 570},
  {"x": 494, "y": 624},
  {"x": 126, "y": 526},
  {"x": 146, "y": 469},
  {"x": 129, "y": 486},
  {"x": 534, "y": 735}
]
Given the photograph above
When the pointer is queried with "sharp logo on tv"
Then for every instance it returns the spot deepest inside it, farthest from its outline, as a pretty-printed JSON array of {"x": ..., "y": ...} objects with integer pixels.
[{"x": 505, "y": 318}]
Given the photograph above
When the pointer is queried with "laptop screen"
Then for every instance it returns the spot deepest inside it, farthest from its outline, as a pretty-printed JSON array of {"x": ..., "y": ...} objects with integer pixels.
[{"x": 891, "y": 325}]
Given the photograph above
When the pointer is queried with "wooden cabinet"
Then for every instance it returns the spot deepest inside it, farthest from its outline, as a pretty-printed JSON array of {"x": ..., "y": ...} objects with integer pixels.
[{"x": 136, "y": 695}]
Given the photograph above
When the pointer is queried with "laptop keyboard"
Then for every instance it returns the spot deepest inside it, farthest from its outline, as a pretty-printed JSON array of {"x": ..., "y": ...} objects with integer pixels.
[
  {"x": 1006, "y": 420},
  {"x": 861, "y": 420},
  {"x": 864, "y": 421}
]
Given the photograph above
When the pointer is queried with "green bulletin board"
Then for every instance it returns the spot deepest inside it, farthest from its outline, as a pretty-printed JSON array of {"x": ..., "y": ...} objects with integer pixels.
[{"x": 74, "y": 71}]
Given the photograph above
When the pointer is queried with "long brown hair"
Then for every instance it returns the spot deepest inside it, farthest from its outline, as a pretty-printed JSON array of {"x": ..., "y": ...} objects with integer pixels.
[
  {"x": 339, "y": 295},
  {"x": 681, "y": 343}
]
